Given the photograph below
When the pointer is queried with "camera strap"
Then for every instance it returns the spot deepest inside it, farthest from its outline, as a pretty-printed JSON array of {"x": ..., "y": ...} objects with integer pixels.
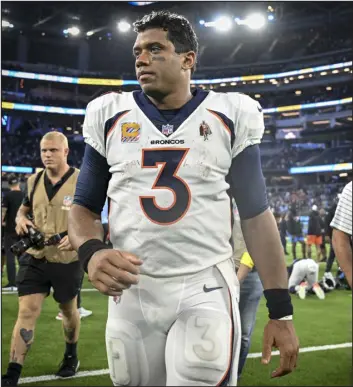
[{"x": 36, "y": 181}]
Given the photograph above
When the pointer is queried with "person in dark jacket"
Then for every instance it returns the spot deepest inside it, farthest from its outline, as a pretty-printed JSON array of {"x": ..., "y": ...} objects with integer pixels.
[
  {"x": 10, "y": 204},
  {"x": 314, "y": 236},
  {"x": 323, "y": 253},
  {"x": 295, "y": 231},
  {"x": 329, "y": 216},
  {"x": 282, "y": 228}
]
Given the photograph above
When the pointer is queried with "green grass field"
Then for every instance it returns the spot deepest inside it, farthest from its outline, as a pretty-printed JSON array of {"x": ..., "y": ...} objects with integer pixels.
[{"x": 318, "y": 323}]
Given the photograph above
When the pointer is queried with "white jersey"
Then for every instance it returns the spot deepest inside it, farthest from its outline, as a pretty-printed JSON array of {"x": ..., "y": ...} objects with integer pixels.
[
  {"x": 343, "y": 215},
  {"x": 168, "y": 192}
]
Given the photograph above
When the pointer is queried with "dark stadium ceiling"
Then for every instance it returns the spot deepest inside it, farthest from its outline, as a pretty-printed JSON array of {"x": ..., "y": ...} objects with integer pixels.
[
  {"x": 53, "y": 17},
  {"x": 298, "y": 29}
]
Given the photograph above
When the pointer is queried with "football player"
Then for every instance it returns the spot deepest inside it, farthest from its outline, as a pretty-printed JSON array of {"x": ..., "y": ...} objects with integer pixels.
[
  {"x": 173, "y": 312},
  {"x": 303, "y": 278}
]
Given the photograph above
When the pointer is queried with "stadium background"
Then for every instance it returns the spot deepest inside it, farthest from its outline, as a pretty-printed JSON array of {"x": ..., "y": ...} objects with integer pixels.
[{"x": 56, "y": 57}]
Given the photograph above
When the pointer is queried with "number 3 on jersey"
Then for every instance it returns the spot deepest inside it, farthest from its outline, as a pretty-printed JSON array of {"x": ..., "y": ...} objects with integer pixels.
[{"x": 171, "y": 160}]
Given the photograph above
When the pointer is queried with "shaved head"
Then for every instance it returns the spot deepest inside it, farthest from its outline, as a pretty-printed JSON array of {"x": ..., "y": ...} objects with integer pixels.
[{"x": 56, "y": 137}]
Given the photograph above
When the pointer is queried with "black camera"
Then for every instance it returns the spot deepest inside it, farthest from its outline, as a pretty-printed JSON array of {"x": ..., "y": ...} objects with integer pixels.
[{"x": 36, "y": 240}]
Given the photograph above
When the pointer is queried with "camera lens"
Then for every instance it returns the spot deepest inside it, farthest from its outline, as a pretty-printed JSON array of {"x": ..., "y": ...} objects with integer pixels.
[{"x": 21, "y": 246}]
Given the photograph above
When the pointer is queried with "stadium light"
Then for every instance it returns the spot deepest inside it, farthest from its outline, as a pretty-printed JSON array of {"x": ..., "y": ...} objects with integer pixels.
[
  {"x": 270, "y": 17},
  {"x": 255, "y": 21},
  {"x": 223, "y": 24},
  {"x": 328, "y": 88},
  {"x": 74, "y": 31},
  {"x": 140, "y": 3},
  {"x": 298, "y": 92},
  {"x": 202, "y": 22},
  {"x": 89, "y": 33},
  {"x": 124, "y": 26},
  {"x": 6, "y": 24}
]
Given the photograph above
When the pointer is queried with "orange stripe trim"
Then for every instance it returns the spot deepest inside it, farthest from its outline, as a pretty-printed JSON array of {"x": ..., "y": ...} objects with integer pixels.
[
  {"x": 220, "y": 118},
  {"x": 231, "y": 342},
  {"x": 109, "y": 210},
  {"x": 115, "y": 123}
]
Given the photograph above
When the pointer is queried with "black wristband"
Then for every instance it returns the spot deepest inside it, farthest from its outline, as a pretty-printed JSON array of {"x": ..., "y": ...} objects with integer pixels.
[
  {"x": 86, "y": 250},
  {"x": 279, "y": 303}
]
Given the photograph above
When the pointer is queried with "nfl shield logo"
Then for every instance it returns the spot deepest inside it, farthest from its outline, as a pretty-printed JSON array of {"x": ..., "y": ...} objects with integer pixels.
[
  {"x": 167, "y": 129},
  {"x": 67, "y": 202}
]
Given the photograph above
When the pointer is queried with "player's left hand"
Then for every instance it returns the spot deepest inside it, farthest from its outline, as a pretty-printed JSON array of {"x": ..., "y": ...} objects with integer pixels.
[
  {"x": 65, "y": 244},
  {"x": 281, "y": 334}
]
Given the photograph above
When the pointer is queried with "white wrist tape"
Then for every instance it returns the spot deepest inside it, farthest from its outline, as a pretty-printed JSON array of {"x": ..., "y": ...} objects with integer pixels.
[{"x": 286, "y": 318}]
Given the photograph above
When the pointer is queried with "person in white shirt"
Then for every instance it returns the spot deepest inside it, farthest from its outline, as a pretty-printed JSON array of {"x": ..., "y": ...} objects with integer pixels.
[{"x": 342, "y": 232}]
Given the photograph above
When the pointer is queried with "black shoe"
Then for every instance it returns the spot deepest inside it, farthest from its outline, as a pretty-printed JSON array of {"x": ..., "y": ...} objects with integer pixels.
[
  {"x": 68, "y": 367},
  {"x": 7, "y": 381}
]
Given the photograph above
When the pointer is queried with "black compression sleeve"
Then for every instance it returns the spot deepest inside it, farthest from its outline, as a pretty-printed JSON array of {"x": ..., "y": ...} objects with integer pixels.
[{"x": 93, "y": 180}]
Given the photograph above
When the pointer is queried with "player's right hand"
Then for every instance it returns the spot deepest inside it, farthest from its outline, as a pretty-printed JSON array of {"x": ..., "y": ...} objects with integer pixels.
[
  {"x": 112, "y": 271},
  {"x": 22, "y": 224}
]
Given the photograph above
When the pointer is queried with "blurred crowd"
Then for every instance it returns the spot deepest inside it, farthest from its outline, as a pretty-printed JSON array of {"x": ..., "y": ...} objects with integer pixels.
[{"x": 300, "y": 201}]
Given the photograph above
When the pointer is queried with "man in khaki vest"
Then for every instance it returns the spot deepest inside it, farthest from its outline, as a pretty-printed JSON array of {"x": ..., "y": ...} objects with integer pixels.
[{"x": 49, "y": 198}]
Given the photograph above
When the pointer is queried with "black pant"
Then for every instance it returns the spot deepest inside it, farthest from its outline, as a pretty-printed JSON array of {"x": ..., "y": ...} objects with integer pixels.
[
  {"x": 284, "y": 242},
  {"x": 331, "y": 259},
  {"x": 9, "y": 240}
]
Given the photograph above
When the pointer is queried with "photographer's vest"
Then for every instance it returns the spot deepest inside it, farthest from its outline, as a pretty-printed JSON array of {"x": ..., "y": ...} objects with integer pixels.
[{"x": 52, "y": 217}]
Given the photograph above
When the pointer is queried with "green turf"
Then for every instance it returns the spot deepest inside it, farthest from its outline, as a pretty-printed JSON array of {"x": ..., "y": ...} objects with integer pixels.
[{"x": 317, "y": 323}]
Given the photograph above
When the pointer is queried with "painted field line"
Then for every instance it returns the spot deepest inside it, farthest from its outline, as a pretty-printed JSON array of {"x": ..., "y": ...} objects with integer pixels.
[{"x": 82, "y": 374}]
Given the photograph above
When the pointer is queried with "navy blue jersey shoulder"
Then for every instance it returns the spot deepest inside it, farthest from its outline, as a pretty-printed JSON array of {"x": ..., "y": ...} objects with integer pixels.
[
  {"x": 247, "y": 183},
  {"x": 227, "y": 122},
  {"x": 110, "y": 123},
  {"x": 93, "y": 180}
]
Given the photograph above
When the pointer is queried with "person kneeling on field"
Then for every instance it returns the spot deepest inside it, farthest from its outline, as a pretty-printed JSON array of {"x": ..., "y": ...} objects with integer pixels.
[{"x": 303, "y": 278}]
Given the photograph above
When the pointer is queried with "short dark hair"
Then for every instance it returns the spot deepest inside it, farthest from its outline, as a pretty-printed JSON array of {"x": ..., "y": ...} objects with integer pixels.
[
  {"x": 12, "y": 179},
  {"x": 180, "y": 31}
]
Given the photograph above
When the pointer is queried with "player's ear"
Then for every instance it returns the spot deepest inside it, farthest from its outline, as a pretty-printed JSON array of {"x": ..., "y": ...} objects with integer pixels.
[{"x": 189, "y": 60}]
